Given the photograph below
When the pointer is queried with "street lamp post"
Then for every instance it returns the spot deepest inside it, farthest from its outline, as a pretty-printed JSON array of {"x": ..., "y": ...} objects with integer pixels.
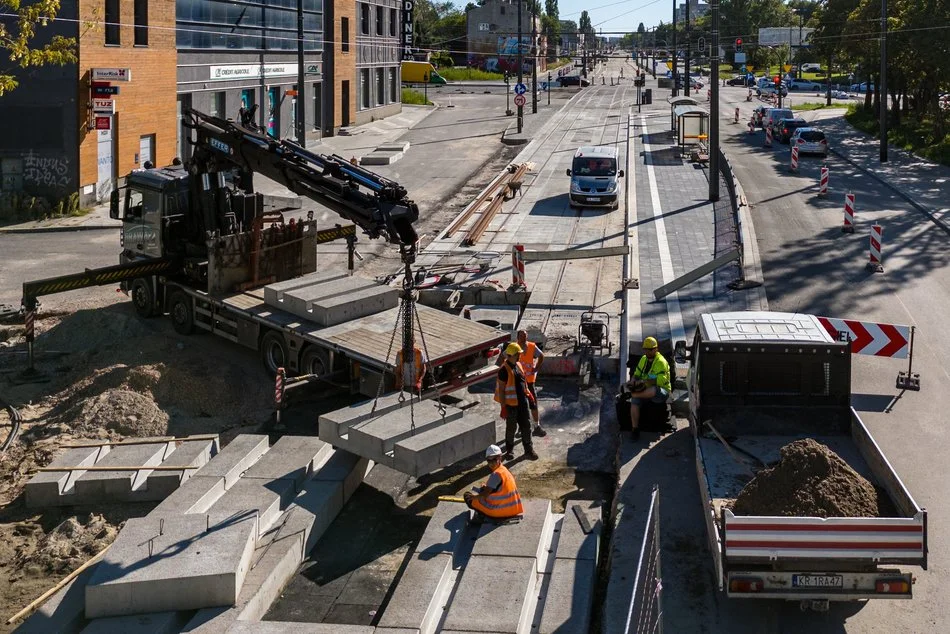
[
  {"x": 883, "y": 81},
  {"x": 714, "y": 104},
  {"x": 534, "y": 65},
  {"x": 520, "y": 68},
  {"x": 675, "y": 83},
  {"x": 689, "y": 45}
]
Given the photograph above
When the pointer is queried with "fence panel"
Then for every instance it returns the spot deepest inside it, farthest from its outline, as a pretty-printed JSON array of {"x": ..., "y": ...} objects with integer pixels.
[{"x": 646, "y": 607}]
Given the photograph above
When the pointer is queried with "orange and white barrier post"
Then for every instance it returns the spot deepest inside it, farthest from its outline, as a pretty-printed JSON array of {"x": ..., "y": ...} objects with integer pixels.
[
  {"x": 794, "y": 158},
  {"x": 279, "y": 381},
  {"x": 737, "y": 114},
  {"x": 823, "y": 182},
  {"x": 768, "y": 136},
  {"x": 751, "y": 127},
  {"x": 517, "y": 265},
  {"x": 875, "y": 261},
  {"x": 848, "y": 226}
]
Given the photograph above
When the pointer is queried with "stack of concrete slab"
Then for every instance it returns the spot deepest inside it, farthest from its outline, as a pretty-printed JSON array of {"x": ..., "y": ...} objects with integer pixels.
[
  {"x": 410, "y": 436},
  {"x": 225, "y": 543},
  {"x": 545, "y": 563},
  {"x": 121, "y": 472},
  {"x": 329, "y": 299},
  {"x": 386, "y": 154}
]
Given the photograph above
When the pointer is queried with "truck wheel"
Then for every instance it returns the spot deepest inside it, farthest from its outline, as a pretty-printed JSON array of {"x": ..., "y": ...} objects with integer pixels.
[
  {"x": 182, "y": 313},
  {"x": 273, "y": 352},
  {"x": 143, "y": 298},
  {"x": 315, "y": 361}
]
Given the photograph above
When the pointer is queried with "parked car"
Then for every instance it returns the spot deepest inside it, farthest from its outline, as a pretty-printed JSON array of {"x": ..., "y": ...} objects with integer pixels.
[
  {"x": 810, "y": 141},
  {"x": 573, "y": 80},
  {"x": 787, "y": 127},
  {"x": 770, "y": 90},
  {"x": 804, "y": 84},
  {"x": 811, "y": 68},
  {"x": 840, "y": 94},
  {"x": 740, "y": 80},
  {"x": 862, "y": 87}
]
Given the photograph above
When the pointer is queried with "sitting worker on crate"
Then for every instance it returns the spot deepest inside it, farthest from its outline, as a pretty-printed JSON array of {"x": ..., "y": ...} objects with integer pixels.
[
  {"x": 498, "y": 500},
  {"x": 649, "y": 387}
]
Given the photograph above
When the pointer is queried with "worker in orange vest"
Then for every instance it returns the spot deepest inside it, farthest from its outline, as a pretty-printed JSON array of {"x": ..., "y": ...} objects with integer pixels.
[
  {"x": 410, "y": 372},
  {"x": 511, "y": 391},
  {"x": 531, "y": 359},
  {"x": 498, "y": 499}
]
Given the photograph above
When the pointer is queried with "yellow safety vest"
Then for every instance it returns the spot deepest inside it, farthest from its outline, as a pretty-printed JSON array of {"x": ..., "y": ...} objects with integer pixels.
[
  {"x": 505, "y": 502},
  {"x": 507, "y": 394},
  {"x": 659, "y": 371}
]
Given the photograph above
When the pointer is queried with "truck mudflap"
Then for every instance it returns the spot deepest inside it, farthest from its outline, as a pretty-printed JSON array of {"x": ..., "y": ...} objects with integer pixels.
[
  {"x": 873, "y": 540},
  {"x": 828, "y": 585}
]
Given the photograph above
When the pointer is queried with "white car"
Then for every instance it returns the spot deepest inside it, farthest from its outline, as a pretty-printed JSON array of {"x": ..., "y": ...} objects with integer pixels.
[
  {"x": 809, "y": 141},
  {"x": 804, "y": 84}
]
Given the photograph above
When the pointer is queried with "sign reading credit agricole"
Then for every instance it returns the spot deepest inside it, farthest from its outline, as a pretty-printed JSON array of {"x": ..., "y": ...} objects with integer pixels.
[
  {"x": 244, "y": 71},
  {"x": 407, "y": 7}
]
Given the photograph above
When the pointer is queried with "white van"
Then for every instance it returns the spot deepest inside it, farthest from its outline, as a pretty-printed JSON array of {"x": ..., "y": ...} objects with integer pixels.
[{"x": 594, "y": 177}]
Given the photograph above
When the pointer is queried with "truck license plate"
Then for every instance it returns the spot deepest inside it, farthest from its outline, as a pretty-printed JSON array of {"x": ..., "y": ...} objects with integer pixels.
[
  {"x": 817, "y": 581},
  {"x": 593, "y": 200}
]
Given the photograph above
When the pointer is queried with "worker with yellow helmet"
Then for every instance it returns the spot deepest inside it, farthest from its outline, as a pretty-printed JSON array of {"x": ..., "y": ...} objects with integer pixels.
[
  {"x": 650, "y": 382},
  {"x": 511, "y": 391}
]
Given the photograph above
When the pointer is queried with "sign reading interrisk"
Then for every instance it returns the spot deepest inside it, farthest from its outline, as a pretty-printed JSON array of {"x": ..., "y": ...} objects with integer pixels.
[
  {"x": 111, "y": 74},
  {"x": 407, "y": 7},
  {"x": 103, "y": 106},
  {"x": 241, "y": 71}
]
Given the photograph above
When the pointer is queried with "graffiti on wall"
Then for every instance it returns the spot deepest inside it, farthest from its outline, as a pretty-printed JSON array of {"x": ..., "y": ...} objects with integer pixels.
[{"x": 45, "y": 171}]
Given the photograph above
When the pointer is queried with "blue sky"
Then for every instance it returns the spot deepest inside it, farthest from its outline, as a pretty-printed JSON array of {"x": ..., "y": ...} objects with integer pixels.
[{"x": 614, "y": 15}]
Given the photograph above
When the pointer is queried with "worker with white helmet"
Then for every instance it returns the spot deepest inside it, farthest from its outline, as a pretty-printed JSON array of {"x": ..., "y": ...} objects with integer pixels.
[
  {"x": 512, "y": 392},
  {"x": 650, "y": 382},
  {"x": 498, "y": 499}
]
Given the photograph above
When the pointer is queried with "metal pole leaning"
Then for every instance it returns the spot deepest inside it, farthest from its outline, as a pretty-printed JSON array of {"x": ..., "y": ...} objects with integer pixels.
[
  {"x": 875, "y": 261},
  {"x": 823, "y": 182},
  {"x": 848, "y": 226}
]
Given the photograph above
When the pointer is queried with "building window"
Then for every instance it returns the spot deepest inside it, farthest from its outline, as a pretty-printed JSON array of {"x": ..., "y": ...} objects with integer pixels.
[
  {"x": 380, "y": 87},
  {"x": 112, "y": 22},
  {"x": 364, "y": 88},
  {"x": 380, "y": 18},
  {"x": 247, "y": 25},
  {"x": 345, "y": 34},
  {"x": 218, "y": 104},
  {"x": 392, "y": 22},
  {"x": 502, "y": 10},
  {"x": 141, "y": 22},
  {"x": 393, "y": 86},
  {"x": 364, "y": 18}
]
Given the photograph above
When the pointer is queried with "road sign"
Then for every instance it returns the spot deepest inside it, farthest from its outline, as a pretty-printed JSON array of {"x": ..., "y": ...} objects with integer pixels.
[
  {"x": 103, "y": 106},
  {"x": 669, "y": 65},
  {"x": 520, "y": 100},
  {"x": 750, "y": 68},
  {"x": 520, "y": 89},
  {"x": 879, "y": 340},
  {"x": 110, "y": 74},
  {"x": 787, "y": 67},
  {"x": 105, "y": 91},
  {"x": 103, "y": 123}
]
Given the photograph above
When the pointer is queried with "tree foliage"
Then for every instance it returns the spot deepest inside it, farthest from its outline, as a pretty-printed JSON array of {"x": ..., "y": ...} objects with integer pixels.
[{"x": 18, "y": 37}]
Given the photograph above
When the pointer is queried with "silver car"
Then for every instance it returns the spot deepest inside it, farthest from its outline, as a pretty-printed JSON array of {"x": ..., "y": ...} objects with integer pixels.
[{"x": 810, "y": 141}]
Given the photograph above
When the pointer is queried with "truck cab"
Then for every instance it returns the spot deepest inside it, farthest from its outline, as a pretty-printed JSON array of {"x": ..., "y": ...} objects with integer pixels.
[{"x": 152, "y": 205}]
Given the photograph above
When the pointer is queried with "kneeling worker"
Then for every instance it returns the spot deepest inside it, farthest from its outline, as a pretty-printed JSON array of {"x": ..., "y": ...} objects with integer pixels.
[
  {"x": 651, "y": 382},
  {"x": 498, "y": 499}
]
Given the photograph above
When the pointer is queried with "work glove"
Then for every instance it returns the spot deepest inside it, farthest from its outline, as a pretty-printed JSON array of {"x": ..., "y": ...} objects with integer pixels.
[{"x": 504, "y": 411}]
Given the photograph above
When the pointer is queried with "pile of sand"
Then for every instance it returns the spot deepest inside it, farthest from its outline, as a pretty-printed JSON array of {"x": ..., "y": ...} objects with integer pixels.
[
  {"x": 810, "y": 480},
  {"x": 67, "y": 546},
  {"x": 115, "y": 411}
]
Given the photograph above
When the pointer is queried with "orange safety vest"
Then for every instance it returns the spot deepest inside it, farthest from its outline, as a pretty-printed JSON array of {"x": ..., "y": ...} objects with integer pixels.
[
  {"x": 527, "y": 362},
  {"x": 418, "y": 368},
  {"x": 505, "y": 502},
  {"x": 508, "y": 395}
]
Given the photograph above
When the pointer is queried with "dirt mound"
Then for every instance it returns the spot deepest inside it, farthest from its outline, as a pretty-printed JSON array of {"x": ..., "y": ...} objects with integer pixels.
[
  {"x": 66, "y": 547},
  {"x": 116, "y": 411},
  {"x": 810, "y": 480}
]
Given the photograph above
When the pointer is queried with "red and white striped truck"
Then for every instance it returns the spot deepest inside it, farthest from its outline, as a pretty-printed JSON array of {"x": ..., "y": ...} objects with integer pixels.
[{"x": 758, "y": 381}]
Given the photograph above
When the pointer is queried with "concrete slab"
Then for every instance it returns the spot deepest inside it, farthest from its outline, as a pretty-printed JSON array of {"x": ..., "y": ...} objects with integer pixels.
[
  {"x": 54, "y": 488},
  {"x": 235, "y": 459},
  {"x": 502, "y": 317},
  {"x": 381, "y": 158},
  {"x": 342, "y": 419},
  {"x": 416, "y": 603},
  {"x": 196, "y": 495},
  {"x": 64, "y": 612},
  {"x": 336, "y": 301},
  {"x": 109, "y": 486},
  {"x": 395, "y": 146},
  {"x": 275, "y": 566},
  {"x": 291, "y": 458},
  {"x": 155, "y": 623},
  {"x": 195, "y": 453},
  {"x": 267, "y": 497},
  {"x": 518, "y": 539},
  {"x": 314, "y": 509},
  {"x": 190, "y": 567},
  {"x": 568, "y": 602},
  {"x": 288, "y": 627},
  {"x": 572, "y": 542},
  {"x": 443, "y": 531},
  {"x": 379, "y": 436},
  {"x": 443, "y": 445},
  {"x": 343, "y": 466},
  {"x": 481, "y": 580},
  {"x": 274, "y": 293}
]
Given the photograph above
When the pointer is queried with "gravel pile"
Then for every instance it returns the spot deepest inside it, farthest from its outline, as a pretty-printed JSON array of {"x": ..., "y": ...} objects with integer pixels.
[
  {"x": 810, "y": 480},
  {"x": 67, "y": 546},
  {"x": 119, "y": 411}
]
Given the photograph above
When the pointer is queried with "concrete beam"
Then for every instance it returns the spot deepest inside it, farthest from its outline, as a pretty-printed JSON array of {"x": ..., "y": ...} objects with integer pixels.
[
  {"x": 344, "y": 467},
  {"x": 267, "y": 498},
  {"x": 195, "y": 453},
  {"x": 569, "y": 600},
  {"x": 340, "y": 421},
  {"x": 274, "y": 293},
  {"x": 475, "y": 607},
  {"x": 442, "y": 446},
  {"x": 64, "y": 612},
  {"x": 444, "y": 530},
  {"x": 519, "y": 539},
  {"x": 120, "y": 486},
  {"x": 236, "y": 458},
  {"x": 196, "y": 495},
  {"x": 46, "y": 487},
  {"x": 418, "y": 601},
  {"x": 291, "y": 458},
  {"x": 378, "y": 436},
  {"x": 572, "y": 542},
  {"x": 282, "y": 627},
  {"x": 155, "y": 623}
]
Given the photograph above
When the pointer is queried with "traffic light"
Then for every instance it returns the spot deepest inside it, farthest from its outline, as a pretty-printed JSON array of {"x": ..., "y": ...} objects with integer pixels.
[
  {"x": 738, "y": 45},
  {"x": 777, "y": 80}
]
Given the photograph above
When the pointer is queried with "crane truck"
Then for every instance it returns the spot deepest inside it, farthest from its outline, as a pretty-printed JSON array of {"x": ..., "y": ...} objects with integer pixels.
[
  {"x": 758, "y": 381},
  {"x": 199, "y": 245}
]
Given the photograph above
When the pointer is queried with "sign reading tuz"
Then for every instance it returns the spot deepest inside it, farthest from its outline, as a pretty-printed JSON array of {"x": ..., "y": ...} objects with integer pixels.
[{"x": 407, "y": 7}]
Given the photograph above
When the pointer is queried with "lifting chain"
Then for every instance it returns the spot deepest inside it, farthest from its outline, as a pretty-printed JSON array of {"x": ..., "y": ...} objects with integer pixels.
[{"x": 425, "y": 352}]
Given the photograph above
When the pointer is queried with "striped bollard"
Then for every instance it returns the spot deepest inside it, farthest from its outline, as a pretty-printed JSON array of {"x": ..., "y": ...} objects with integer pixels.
[
  {"x": 279, "y": 392},
  {"x": 751, "y": 127},
  {"x": 517, "y": 265},
  {"x": 768, "y": 136},
  {"x": 848, "y": 226},
  {"x": 794, "y": 158},
  {"x": 875, "y": 261},
  {"x": 30, "y": 335},
  {"x": 823, "y": 182}
]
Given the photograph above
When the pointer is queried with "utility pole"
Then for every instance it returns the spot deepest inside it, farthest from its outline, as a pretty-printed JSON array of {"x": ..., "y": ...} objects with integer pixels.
[
  {"x": 534, "y": 66},
  {"x": 520, "y": 67},
  {"x": 883, "y": 80},
  {"x": 801, "y": 23},
  {"x": 689, "y": 46},
  {"x": 675, "y": 82},
  {"x": 301, "y": 72},
  {"x": 714, "y": 120}
]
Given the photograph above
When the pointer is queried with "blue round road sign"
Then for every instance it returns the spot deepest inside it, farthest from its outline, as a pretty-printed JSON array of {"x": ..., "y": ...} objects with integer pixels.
[{"x": 520, "y": 89}]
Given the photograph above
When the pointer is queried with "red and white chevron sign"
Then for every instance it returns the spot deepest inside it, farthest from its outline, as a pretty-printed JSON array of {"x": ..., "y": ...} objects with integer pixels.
[{"x": 879, "y": 340}]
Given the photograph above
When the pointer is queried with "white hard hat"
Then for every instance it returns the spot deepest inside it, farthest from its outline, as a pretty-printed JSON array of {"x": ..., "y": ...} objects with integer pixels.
[{"x": 493, "y": 451}]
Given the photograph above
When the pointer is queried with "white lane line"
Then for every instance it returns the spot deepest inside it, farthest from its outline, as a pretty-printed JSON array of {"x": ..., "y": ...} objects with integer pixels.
[{"x": 677, "y": 332}]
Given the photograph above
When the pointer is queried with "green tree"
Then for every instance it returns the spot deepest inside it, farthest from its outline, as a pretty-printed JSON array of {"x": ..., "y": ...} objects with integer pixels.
[{"x": 19, "y": 32}]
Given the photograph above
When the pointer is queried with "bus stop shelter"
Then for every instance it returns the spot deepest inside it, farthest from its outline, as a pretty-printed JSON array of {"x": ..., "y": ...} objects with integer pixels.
[
  {"x": 692, "y": 126},
  {"x": 679, "y": 101}
]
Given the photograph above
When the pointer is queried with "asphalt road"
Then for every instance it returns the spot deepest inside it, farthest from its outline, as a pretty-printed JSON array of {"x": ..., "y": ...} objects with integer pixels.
[{"x": 811, "y": 266}]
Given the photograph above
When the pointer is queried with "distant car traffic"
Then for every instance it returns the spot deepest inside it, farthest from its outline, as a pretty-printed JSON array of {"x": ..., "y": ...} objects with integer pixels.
[
  {"x": 810, "y": 141},
  {"x": 787, "y": 127},
  {"x": 862, "y": 87},
  {"x": 758, "y": 115},
  {"x": 804, "y": 84},
  {"x": 573, "y": 80},
  {"x": 770, "y": 90}
]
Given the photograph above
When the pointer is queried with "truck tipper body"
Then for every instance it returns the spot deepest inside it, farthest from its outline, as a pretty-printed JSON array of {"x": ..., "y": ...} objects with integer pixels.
[{"x": 758, "y": 381}]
